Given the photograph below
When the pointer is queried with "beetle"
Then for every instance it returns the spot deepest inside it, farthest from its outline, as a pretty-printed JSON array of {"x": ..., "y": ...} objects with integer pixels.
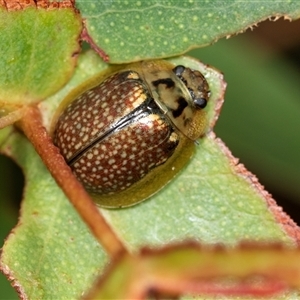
[{"x": 131, "y": 129}]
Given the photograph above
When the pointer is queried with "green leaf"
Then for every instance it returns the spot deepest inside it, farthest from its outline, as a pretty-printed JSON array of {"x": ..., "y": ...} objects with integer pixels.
[
  {"x": 135, "y": 30},
  {"x": 52, "y": 255},
  {"x": 38, "y": 53}
]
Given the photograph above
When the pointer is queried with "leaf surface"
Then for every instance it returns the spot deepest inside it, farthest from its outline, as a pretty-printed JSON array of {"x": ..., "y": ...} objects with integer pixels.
[
  {"x": 38, "y": 53},
  {"x": 135, "y": 30},
  {"x": 52, "y": 254}
]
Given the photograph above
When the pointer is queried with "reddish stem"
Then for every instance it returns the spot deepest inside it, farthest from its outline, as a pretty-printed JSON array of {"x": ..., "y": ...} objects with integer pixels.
[
  {"x": 86, "y": 37},
  {"x": 31, "y": 123}
]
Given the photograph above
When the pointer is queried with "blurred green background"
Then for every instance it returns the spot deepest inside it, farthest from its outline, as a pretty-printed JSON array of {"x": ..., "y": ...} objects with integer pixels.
[{"x": 260, "y": 120}]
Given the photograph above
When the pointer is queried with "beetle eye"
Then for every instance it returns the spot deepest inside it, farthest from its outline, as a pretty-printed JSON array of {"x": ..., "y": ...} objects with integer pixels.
[
  {"x": 178, "y": 70},
  {"x": 200, "y": 102}
]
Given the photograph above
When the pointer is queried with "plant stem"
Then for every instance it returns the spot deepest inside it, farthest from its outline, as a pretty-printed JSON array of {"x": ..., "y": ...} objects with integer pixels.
[{"x": 31, "y": 124}]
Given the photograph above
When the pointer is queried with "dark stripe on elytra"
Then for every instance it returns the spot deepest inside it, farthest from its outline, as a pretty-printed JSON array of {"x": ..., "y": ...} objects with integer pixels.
[
  {"x": 182, "y": 104},
  {"x": 138, "y": 113},
  {"x": 167, "y": 81}
]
